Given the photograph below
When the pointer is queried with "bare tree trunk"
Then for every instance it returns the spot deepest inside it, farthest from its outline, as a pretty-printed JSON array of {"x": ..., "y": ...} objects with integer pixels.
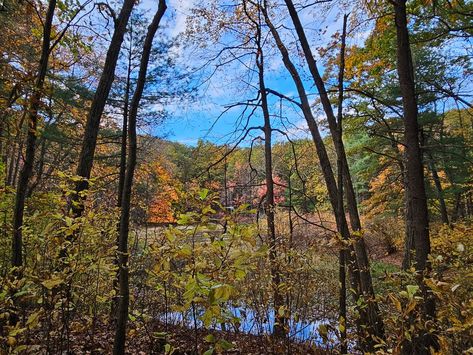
[
  {"x": 419, "y": 223},
  {"x": 15, "y": 161},
  {"x": 340, "y": 172},
  {"x": 89, "y": 142},
  {"x": 39, "y": 168},
  {"x": 27, "y": 169},
  {"x": 408, "y": 242},
  {"x": 120, "y": 332},
  {"x": 374, "y": 322},
  {"x": 269, "y": 206},
  {"x": 121, "y": 179},
  {"x": 370, "y": 315},
  {"x": 342, "y": 226},
  {"x": 15, "y": 94},
  {"x": 3, "y": 143},
  {"x": 15, "y": 155}
]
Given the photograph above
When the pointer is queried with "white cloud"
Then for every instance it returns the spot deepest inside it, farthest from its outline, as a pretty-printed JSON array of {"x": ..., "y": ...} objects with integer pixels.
[
  {"x": 298, "y": 130},
  {"x": 180, "y": 10}
]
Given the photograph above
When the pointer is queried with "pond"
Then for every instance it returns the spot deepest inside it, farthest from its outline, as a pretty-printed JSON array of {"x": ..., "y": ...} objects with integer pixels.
[{"x": 249, "y": 321}]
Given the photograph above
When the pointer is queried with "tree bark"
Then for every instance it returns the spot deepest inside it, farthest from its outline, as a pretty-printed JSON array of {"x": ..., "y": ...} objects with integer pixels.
[
  {"x": 27, "y": 169},
  {"x": 329, "y": 177},
  {"x": 121, "y": 179},
  {"x": 89, "y": 142},
  {"x": 340, "y": 172},
  {"x": 120, "y": 332},
  {"x": 360, "y": 277},
  {"x": 269, "y": 206},
  {"x": 123, "y": 145},
  {"x": 408, "y": 242},
  {"x": 375, "y": 323},
  {"x": 414, "y": 166},
  {"x": 416, "y": 195}
]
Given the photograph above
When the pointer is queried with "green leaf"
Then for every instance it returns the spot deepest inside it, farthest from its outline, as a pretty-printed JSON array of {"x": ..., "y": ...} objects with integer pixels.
[
  {"x": 160, "y": 335},
  {"x": 341, "y": 324},
  {"x": 203, "y": 194},
  {"x": 240, "y": 274},
  {"x": 223, "y": 292},
  {"x": 168, "y": 350},
  {"x": 210, "y": 338},
  {"x": 207, "y": 210},
  {"x": 209, "y": 352},
  {"x": 225, "y": 345},
  {"x": 411, "y": 290}
]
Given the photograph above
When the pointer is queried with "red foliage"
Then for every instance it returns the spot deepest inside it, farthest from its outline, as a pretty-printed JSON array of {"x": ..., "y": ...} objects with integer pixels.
[{"x": 279, "y": 190}]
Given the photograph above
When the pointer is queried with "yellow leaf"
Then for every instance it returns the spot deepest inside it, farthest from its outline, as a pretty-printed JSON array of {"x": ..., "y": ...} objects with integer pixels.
[
  {"x": 396, "y": 302},
  {"x": 51, "y": 283},
  {"x": 33, "y": 319}
]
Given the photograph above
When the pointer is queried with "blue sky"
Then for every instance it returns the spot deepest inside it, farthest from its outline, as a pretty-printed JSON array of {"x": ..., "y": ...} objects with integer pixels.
[{"x": 203, "y": 118}]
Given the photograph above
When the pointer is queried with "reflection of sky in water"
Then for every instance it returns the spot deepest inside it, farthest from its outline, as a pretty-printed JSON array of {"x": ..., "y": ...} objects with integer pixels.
[{"x": 252, "y": 322}]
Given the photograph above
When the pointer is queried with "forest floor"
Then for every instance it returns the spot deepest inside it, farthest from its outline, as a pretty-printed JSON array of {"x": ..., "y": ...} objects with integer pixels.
[{"x": 185, "y": 342}]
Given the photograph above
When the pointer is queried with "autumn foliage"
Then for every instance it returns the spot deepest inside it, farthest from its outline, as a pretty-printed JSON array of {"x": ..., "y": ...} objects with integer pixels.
[{"x": 167, "y": 194}]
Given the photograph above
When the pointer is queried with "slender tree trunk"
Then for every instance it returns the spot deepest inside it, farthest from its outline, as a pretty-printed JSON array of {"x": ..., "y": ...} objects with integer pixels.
[
  {"x": 342, "y": 226},
  {"x": 340, "y": 172},
  {"x": 123, "y": 146},
  {"x": 374, "y": 322},
  {"x": 39, "y": 169},
  {"x": 4, "y": 133},
  {"x": 269, "y": 206},
  {"x": 15, "y": 149},
  {"x": 457, "y": 210},
  {"x": 89, "y": 142},
  {"x": 3, "y": 142},
  {"x": 370, "y": 315},
  {"x": 469, "y": 204},
  {"x": 27, "y": 168},
  {"x": 15, "y": 162},
  {"x": 408, "y": 242},
  {"x": 120, "y": 332},
  {"x": 121, "y": 179},
  {"x": 419, "y": 223}
]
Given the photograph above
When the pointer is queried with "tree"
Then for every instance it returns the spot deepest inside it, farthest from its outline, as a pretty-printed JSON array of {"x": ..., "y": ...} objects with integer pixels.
[
  {"x": 416, "y": 196},
  {"x": 120, "y": 333},
  {"x": 269, "y": 205},
  {"x": 375, "y": 323},
  {"x": 89, "y": 141},
  {"x": 32, "y": 120},
  {"x": 370, "y": 317}
]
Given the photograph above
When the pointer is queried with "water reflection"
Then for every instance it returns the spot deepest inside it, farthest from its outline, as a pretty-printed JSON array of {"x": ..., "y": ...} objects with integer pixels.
[{"x": 249, "y": 321}]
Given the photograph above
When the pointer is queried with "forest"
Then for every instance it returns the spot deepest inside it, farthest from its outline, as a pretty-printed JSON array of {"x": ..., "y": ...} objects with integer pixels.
[{"x": 236, "y": 177}]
